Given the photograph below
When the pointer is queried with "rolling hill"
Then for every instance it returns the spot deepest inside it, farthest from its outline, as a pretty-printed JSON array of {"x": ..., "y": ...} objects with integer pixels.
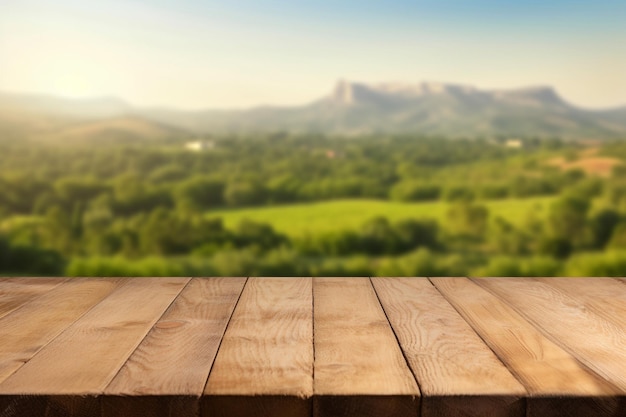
[
  {"x": 53, "y": 120},
  {"x": 351, "y": 109},
  {"x": 123, "y": 129}
]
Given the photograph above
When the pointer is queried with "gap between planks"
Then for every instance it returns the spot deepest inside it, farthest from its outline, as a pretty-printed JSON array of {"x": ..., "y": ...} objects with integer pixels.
[
  {"x": 15, "y": 293},
  {"x": 111, "y": 330},
  {"x": 188, "y": 337},
  {"x": 359, "y": 367},
  {"x": 30, "y": 329},
  {"x": 380, "y": 303},
  {"x": 395, "y": 333},
  {"x": 169, "y": 307},
  {"x": 560, "y": 318},
  {"x": 456, "y": 370},
  {"x": 264, "y": 364}
]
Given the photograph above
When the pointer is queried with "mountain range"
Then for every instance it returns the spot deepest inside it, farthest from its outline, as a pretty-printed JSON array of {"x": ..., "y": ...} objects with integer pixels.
[{"x": 350, "y": 109}]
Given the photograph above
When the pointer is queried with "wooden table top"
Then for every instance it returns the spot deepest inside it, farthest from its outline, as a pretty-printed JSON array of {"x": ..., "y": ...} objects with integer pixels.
[{"x": 439, "y": 347}]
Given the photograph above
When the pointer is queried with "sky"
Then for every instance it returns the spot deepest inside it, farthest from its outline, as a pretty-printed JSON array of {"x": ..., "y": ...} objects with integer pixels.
[{"x": 194, "y": 54}]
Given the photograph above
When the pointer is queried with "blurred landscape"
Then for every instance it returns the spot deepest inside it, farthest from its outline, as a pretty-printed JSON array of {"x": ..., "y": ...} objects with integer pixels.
[
  {"x": 272, "y": 138},
  {"x": 534, "y": 187},
  {"x": 351, "y": 109}
]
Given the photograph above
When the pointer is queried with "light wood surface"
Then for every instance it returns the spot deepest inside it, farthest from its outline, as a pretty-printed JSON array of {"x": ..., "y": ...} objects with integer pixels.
[
  {"x": 545, "y": 369},
  {"x": 323, "y": 347},
  {"x": 15, "y": 292},
  {"x": 266, "y": 356},
  {"x": 542, "y": 366},
  {"x": 605, "y": 297},
  {"x": 87, "y": 355},
  {"x": 595, "y": 342},
  {"x": 447, "y": 357},
  {"x": 186, "y": 337},
  {"x": 25, "y": 332},
  {"x": 356, "y": 352}
]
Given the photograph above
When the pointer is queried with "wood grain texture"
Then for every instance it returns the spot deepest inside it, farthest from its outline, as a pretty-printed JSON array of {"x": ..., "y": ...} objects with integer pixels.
[
  {"x": 595, "y": 342},
  {"x": 86, "y": 356},
  {"x": 446, "y": 356},
  {"x": 26, "y": 331},
  {"x": 358, "y": 362},
  {"x": 542, "y": 366},
  {"x": 545, "y": 369},
  {"x": 295, "y": 347},
  {"x": 15, "y": 292},
  {"x": 605, "y": 297},
  {"x": 185, "y": 338},
  {"x": 264, "y": 366}
]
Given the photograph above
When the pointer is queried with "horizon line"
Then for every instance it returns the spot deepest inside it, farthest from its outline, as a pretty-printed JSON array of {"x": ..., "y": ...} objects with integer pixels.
[{"x": 134, "y": 105}]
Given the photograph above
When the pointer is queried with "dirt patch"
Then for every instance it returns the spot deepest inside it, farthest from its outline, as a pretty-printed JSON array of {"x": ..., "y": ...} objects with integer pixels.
[{"x": 600, "y": 166}]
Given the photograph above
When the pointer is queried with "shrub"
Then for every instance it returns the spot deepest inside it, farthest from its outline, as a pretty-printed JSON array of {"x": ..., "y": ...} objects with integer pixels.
[{"x": 597, "y": 264}]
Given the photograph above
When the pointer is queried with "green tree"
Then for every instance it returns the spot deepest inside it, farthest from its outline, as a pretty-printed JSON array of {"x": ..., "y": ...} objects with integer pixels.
[
  {"x": 602, "y": 225},
  {"x": 415, "y": 191},
  {"x": 199, "y": 193},
  {"x": 467, "y": 219},
  {"x": 567, "y": 220},
  {"x": 245, "y": 193},
  {"x": 505, "y": 238},
  {"x": 412, "y": 234},
  {"x": 259, "y": 235}
]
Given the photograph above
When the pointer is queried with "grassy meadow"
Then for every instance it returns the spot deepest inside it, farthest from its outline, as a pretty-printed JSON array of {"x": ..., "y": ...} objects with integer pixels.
[{"x": 300, "y": 219}]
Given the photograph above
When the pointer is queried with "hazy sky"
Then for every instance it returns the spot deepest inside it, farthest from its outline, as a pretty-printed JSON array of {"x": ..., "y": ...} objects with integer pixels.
[{"x": 239, "y": 53}]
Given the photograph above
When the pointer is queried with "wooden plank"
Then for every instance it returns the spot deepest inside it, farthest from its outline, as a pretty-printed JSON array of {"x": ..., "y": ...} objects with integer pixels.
[
  {"x": 87, "y": 355},
  {"x": 605, "y": 297},
  {"x": 545, "y": 369},
  {"x": 15, "y": 292},
  {"x": 599, "y": 406},
  {"x": 265, "y": 364},
  {"x": 457, "y": 373},
  {"x": 595, "y": 342},
  {"x": 359, "y": 367},
  {"x": 26, "y": 331},
  {"x": 49, "y": 406},
  {"x": 542, "y": 366},
  {"x": 167, "y": 373}
]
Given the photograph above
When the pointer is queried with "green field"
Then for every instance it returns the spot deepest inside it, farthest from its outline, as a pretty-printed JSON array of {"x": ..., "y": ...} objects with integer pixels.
[{"x": 320, "y": 217}]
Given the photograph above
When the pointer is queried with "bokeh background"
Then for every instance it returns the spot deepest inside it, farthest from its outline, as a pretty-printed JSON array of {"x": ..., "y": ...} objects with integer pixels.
[{"x": 262, "y": 137}]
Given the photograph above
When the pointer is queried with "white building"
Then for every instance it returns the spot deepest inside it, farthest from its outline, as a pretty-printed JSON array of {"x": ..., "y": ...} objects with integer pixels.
[
  {"x": 514, "y": 143},
  {"x": 200, "y": 145}
]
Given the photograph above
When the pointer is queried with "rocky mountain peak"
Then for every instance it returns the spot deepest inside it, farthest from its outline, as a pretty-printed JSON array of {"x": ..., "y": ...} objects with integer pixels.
[{"x": 343, "y": 93}]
